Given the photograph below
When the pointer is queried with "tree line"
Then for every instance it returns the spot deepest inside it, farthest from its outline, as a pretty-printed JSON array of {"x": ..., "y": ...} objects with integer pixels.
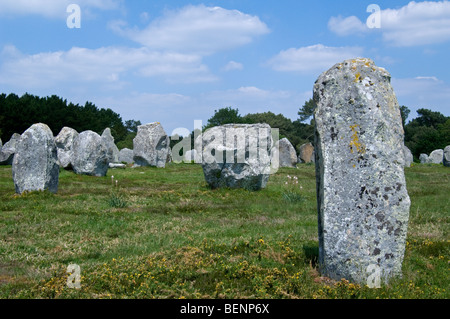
[
  {"x": 18, "y": 113},
  {"x": 430, "y": 130}
]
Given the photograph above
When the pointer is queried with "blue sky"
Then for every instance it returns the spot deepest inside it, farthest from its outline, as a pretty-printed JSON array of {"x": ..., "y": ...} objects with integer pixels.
[{"x": 177, "y": 61}]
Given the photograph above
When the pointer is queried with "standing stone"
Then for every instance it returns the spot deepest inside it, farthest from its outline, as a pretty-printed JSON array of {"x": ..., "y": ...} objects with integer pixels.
[
  {"x": 306, "y": 153},
  {"x": 237, "y": 156},
  {"x": 35, "y": 165},
  {"x": 283, "y": 154},
  {"x": 363, "y": 202},
  {"x": 408, "y": 156},
  {"x": 64, "y": 142},
  {"x": 447, "y": 156},
  {"x": 90, "y": 154},
  {"x": 423, "y": 158},
  {"x": 151, "y": 145},
  {"x": 126, "y": 155},
  {"x": 9, "y": 149},
  {"x": 113, "y": 151},
  {"x": 436, "y": 157}
]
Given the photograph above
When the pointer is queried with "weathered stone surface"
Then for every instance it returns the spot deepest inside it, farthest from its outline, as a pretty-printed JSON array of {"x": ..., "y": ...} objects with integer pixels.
[
  {"x": 151, "y": 145},
  {"x": 64, "y": 142},
  {"x": 363, "y": 202},
  {"x": 35, "y": 165},
  {"x": 408, "y": 156},
  {"x": 90, "y": 154},
  {"x": 306, "y": 153},
  {"x": 113, "y": 151},
  {"x": 423, "y": 158},
  {"x": 447, "y": 156},
  {"x": 436, "y": 157},
  {"x": 9, "y": 149},
  {"x": 283, "y": 154},
  {"x": 237, "y": 156},
  {"x": 126, "y": 155},
  {"x": 192, "y": 155},
  {"x": 117, "y": 165}
]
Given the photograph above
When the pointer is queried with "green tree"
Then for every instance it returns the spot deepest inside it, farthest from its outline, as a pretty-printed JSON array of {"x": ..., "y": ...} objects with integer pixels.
[
  {"x": 223, "y": 116},
  {"x": 405, "y": 111},
  {"x": 307, "y": 110}
]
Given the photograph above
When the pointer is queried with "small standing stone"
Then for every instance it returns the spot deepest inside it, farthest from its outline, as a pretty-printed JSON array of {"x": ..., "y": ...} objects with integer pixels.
[
  {"x": 35, "y": 165},
  {"x": 283, "y": 154},
  {"x": 9, "y": 149},
  {"x": 90, "y": 155},
  {"x": 436, "y": 157},
  {"x": 64, "y": 142},
  {"x": 363, "y": 202},
  {"x": 306, "y": 153},
  {"x": 408, "y": 156},
  {"x": 423, "y": 158},
  {"x": 151, "y": 146},
  {"x": 126, "y": 155},
  {"x": 113, "y": 151},
  {"x": 447, "y": 156}
]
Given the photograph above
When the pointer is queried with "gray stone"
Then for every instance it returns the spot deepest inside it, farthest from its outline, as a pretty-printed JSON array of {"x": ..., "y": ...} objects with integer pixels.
[
  {"x": 423, "y": 158},
  {"x": 283, "y": 154},
  {"x": 35, "y": 166},
  {"x": 113, "y": 151},
  {"x": 436, "y": 157},
  {"x": 151, "y": 146},
  {"x": 408, "y": 156},
  {"x": 9, "y": 149},
  {"x": 447, "y": 156},
  {"x": 237, "y": 156},
  {"x": 192, "y": 156},
  {"x": 64, "y": 142},
  {"x": 90, "y": 154},
  {"x": 306, "y": 153},
  {"x": 126, "y": 155},
  {"x": 117, "y": 165},
  {"x": 363, "y": 203}
]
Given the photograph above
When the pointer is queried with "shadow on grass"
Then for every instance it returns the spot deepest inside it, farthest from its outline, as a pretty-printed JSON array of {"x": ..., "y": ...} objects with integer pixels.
[{"x": 311, "y": 252}]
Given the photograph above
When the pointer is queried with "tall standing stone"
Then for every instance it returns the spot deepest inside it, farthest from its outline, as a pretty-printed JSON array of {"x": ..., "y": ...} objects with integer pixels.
[
  {"x": 151, "y": 145},
  {"x": 363, "y": 203},
  {"x": 90, "y": 155},
  {"x": 35, "y": 165}
]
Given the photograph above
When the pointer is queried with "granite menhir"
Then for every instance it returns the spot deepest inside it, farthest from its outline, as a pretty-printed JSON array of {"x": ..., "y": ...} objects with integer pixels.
[{"x": 363, "y": 203}]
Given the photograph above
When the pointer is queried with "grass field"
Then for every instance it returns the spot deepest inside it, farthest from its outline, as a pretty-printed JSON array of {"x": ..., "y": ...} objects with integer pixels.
[{"x": 162, "y": 233}]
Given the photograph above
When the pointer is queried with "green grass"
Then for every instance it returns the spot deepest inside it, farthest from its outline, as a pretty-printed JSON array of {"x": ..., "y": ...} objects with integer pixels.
[{"x": 162, "y": 233}]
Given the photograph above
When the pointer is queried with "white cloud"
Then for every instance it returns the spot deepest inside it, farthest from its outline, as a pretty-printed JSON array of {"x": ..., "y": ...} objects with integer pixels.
[
  {"x": 105, "y": 65},
  {"x": 423, "y": 92},
  {"x": 418, "y": 23},
  {"x": 312, "y": 59},
  {"x": 233, "y": 66},
  {"x": 346, "y": 26},
  {"x": 199, "y": 29},
  {"x": 52, "y": 8}
]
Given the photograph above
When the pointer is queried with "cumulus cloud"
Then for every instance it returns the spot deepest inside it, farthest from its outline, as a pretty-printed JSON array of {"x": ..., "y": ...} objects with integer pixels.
[
  {"x": 312, "y": 59},
  {"x": 52, "y": 8},
  {"x": 197, "y": 29},
  {"x": 417, "y": 23},
  {"x": 102, "y": 65},
  {"x": 233, "y": 66}
]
